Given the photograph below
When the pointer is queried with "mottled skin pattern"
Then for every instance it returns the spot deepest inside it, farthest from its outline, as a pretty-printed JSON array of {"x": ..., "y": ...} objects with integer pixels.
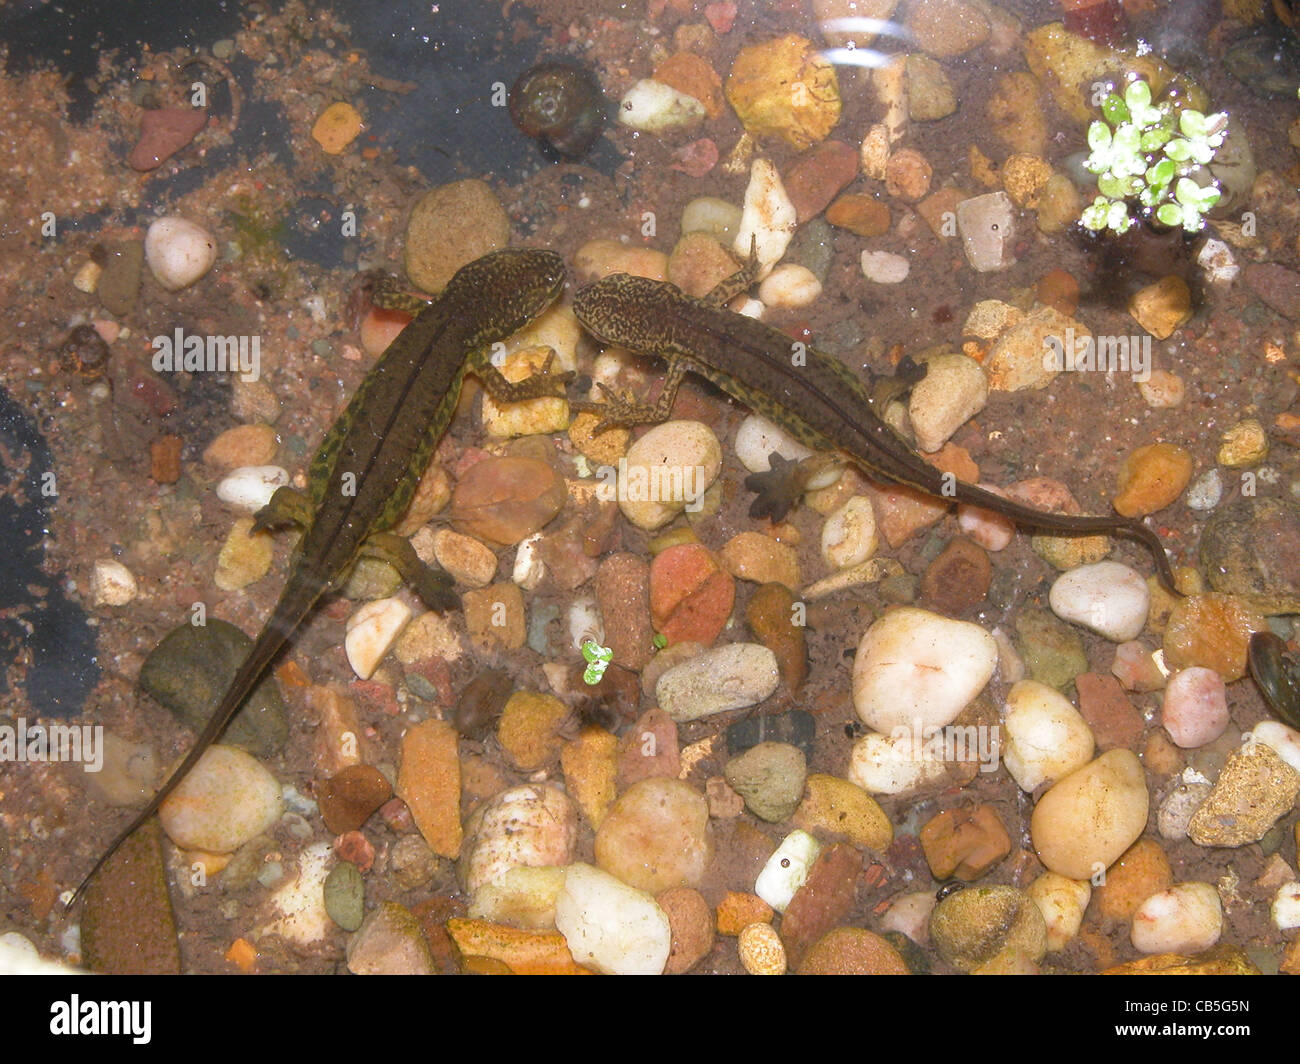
[
  {"x": 812, "y": 396},
  {"x": 369, "y": 464}
]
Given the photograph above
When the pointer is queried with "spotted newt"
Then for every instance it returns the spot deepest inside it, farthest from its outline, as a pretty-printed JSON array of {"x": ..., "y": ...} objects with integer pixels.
[
  {"x": 811, "y": 395},
  {"x": 365, "y": 473}
]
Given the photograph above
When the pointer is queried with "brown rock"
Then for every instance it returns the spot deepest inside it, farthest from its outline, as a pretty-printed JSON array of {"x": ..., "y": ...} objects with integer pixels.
[
  {"x": 428, "y": 781},
  {"x": 852, "y": 951},
  {"x": 494, "y": 617},
  {"x": 964, "y": 842},
  {"x": 452, "y": 225},
  {"x": 529, "y": 730},
  {"x": 823, "y": 902},
  {"x": 693, "y": 75},
  {"x": 946, "y": 27},
  {"x": 818, "y": 175},
  {"x": 648, "y": 750},
  {"x": 623, "y": 594},
  {"x": 1254, "y": 790},
  {"x": 348, "y": 798},
  {"x": 958, "y": 579},
  {"x": 164, "y": 132},
  {"x": 1142, "y": 870},
  {"x": 1059, "y": 290},
  {"x": 736, "y": 911},
  {"x": 859, "y": 213},
  {"x": 1223, "y": 959},
  {"x": 1162, "y": 308},
  {"x": 505, "y": 500},
  {"x": 1113, "y": 719},
  {"x": 769, "y": 615},
  {"x": 1151, "y": 478},
  {"x": 522, "y": 952},
  {"x": 691, "y": 921},
  {"x": 691, "y": 595},
  {"x": 165, "y": 459},
  {"x": 835, "y": 807},
  {"x": 1211, "y": 630},
  {"x": 127, "y": 926},
  {"x": 244, "y": 445},
  {"x": 907, "y": 175},
  {"x": 1276, "y": 286},
  {"x": 939, "y": 210}
]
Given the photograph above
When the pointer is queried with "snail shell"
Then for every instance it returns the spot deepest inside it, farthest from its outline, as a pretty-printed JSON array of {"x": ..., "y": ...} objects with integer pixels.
[{"x": 561, "y": 104}]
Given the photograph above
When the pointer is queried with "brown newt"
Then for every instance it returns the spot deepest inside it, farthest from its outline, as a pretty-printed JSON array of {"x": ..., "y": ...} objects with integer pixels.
[
  {"x": 811, "y": 395},
  {"x": 362, "y": 478}
]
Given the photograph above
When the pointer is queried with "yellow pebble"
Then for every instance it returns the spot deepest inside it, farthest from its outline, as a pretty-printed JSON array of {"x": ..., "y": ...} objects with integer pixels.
[
  {"x": 336, "y": 128},
  {"x": 1245, "y": 444},
  {"x": 761, "y": 951}
]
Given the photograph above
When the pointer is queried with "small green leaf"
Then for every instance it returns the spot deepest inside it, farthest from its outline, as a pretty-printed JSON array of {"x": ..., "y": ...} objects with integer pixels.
[
  {"x": 1117, "y": 218},
  {"x": 1161, "y": 173},
  {"x": 1137, "y": 95},
  {"x": 1170, "y": 214},
  {"x": 1179, "y": 149},
  {"x": 1114, "y": 110},
  {"x": 1155, "y": 138},
  {"x": 1099, "y": 136},
  {"x": 1112, "y": 186}
]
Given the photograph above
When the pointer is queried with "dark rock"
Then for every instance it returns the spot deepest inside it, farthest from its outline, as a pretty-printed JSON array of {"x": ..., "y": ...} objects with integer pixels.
[{"x": 163, "y": 133}]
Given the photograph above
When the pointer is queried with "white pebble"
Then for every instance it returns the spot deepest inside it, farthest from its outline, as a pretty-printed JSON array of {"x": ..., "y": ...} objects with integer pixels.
[
  {"x": 179, "y": 252},
  {"x": 585, "y": 622},
  {"x": 849, "y": 535},
  {"x": 372, "y": 631},
  {"x": 709, "y": 214},
  {"x": 1195, "y": 707},
  {"x": 768, "y": 216},
  {"x": 1284, "y": 741},
  {"x": 909, "y": 914},
  {"x": 653, "y": 107},
  {"x": 1178, "y": 808},
  {"x": 1215, "y": 259},
  {"x": 724, "y": 678},
  {"x": 884, "y": 267},
  {"x": 609, "y": 926},
  {"x": 534, "y": 826},
  {"x": 299, "y": 904},
  {"x": 522, "y": 897},
  {"x": 1061, "y": 901},
  {"x": 987, "y": 227},
  {"x": 787, "y": 869},
  {"x": 1187, "y": 918},
  {"x": 251, "y": 487},
  {"x": 790, "y": 287},
  {"x": 1108, "y": 598},
  {"x": 953, "y": 390},
  {"x": 1205, "y": 491},
  {"x": 667, "y": 470},
  {"x": 1044, "y": 737},
  {"x": 112, "y": 583},
  {"x": 529, "y": 567},
  {"x": 915, "y": 669},
  {"x": 757, "y": 438},
  {"x": 988, "y": 528},
  {"x": 1286, "y": 906},
  {"x": 225, "y": 800},
  {"x": 898, "y": 765}
]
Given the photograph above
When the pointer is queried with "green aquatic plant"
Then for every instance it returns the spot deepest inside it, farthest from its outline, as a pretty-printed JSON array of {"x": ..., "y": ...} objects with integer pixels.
[
  {"x": 1149, "y": 155},
  {"x": 597, "y": 658}
]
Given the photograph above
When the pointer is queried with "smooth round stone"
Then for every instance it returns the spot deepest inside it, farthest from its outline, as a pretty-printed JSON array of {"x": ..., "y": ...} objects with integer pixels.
[
  {"x": 770, "y": 778},
  {"x": 179, "y": 252},
  {"x": 909, "y": 914},
  {"x": 849, "y": 536},
  {"x": 986, "y": 528},
  {"x": 653, "y": 107},
  {"x": 1195, "y": 707},
  {"x": 251, "y": 487},
  {"x": 709, "y": 214},
  {"x": 787, "y": 869},
  {"x": 345, "y": 896},
  {"x": 1089, "y": 818},
  {"x": 761, "y": 950},
  {"x": 522, "y": 897},
  {"x": 656, "y": 836},
  {"x": 915, "y": 669},
  {"x": 975, "y": 925},
  {"x": 790, "y": 287},
  {"x": 534, "y": 825},
  {"x": 610, "y": 926},
  {"x": 953, "y": 390},
  {"x": 840, "y": 808},
  {"x": 757, "y": 438},
  {"x": 724, "y": 678},
  {"x": 1062, "y": 902},
  {"x": 852, "y": 951},
  {"x": 693, "y": 927},
  {"x": 1106, "y": 597},
  {"x": 885, "y": 267},
  {"x": 1045, "y": 737},
  {"x": 225, "y": 800},
  {"x": 1187, "y": 918},
  {"x": 666, "y": 470},
  {"x": 389, "y": 942},
  {"x": 881, "y": 764}
]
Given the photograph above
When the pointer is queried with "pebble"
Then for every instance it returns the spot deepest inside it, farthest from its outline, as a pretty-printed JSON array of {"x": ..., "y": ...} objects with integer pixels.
[
  {"x": 389, "y": 942},
  {"x": 698, "y": 263},
  {"x": 930, "y": 94},
  {"x": 535, "y": 825},
  {"x": 1109, "y": 796},
  {"x": 244, "y": 558},
  {"x": 1277, "y": 287},
  {"x": 371, "y": 632},
  {"x": 345, "y": 896},
  {"x": 1174, "y": 816},
  {"x": 758, "y": 558},
  {"x": 837, "y": 808},
  {"x": 1217, "y": 263},
  {"x": 1186, "y": 918},
  {"x": 178, "y": 252},
  {"x": 1163, "y": 390},
  {"x": 987, "y": 227},
  {"x": 1249, "y": 547},
  {"x": 770, "y": 778},
  {"x": 600, "y": 258},
  {"x": 818, "y": 175},
  {"x": 770, "y": 616},
  {"x": 784, "y": 88},
  {"x": 412, "y": 862},
  {"x": 503, "y": 501},
  {"x": 1162, "y": 308},
  {"x": 945, "y": 28},
  {"x": 163, "y": 132},
  {"x": 666, "y": 471},
  {"x": 709, "y": 214},
  {"x": 1285, "y": 909},
  {"x": 907, "y": 175},
  {"x": 691, "y": 921},
  {"x": 1106, "y": 597},
  {"x": 525, "y": 417},
  {"x": 916, "y": 669},
  {"x": 428, "y": 637},
  {"x": 756, "y": 440},
  {"x": 112, "y": 583},
  {"x": 1195, "y": 707},
  {"x": 1213, "y": 631},
  {"x": 1024, "y": 176},
  {"x": 1110, "y": 716},
  {"x": 882, "y": 764},
  {"x": 761, "y": 950},
  {"x": 1052, "y": 650},
  {"x": 691, "y": 595},
  {"x": 530, "y": 729},
  {"x": 909, "y": 915},
  {"x": 428, "y": 781},
  {"x": 522, "y": 897},
  {"x": 884, "y": 267},
  {"x": 1021, "y": 356},
  {"x": 298, "y": 913},
  {"x": 790, "y": 287},
  {"x": 1205, "y": 492},
  {"x": 1244, "y": 444},
  {"x": 449, "y": 226},
  {"x": 1254, "y": 790},
  {"x": 767, "y": 218},
  {"x": 126, "y": 772},
  {"x": 823, "y": 902},
  {"x": 1044, "y": 737},
  {"x": 958, "y": 579},
  {"x": 1135, "y": 667},
  {"x": 1142, "y": 870},
  {"x": 251, "y": 487},
  {"x": 336, "y": 127},
  {"x": 725, "y": 678},
  {"x": 853, "y": 951},
  {"x": 860, "y": 213},
  {"x": 656, "y": 836},
  {"x": 651, "y": 106},
  {"x": 649, "y": 750},
  {"x": 349, "y": 797},
  {"x": 966, "y": 843},
  {"x": 787, "y": 869},
  {"x": 589, "y": 766},
  {"x": 464, "y": 557},
  {"x": 972, "y": 927},
  {"x": 225, "y": 800},
  {"x": 1284, "y": 741},
  {"x": 986, "y": 528},
  {"x": 1062, "y": 903},
  {"x": 622, "y": 588},
  {"x": 849, "y": 535},
  {"x": 953, "y": 390},
  {"x": 610, "y": 926},
  {"x": 692, "y": 74},
  {"x": 737, "y": 910}
]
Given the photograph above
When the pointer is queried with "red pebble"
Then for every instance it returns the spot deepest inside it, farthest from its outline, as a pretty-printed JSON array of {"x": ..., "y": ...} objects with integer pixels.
[{"x": 354, "y": 847}]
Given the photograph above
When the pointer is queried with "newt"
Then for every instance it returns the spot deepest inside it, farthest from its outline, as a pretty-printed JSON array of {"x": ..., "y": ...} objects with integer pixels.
[
  {"x": 811, "y": 395},
  {"x": 365, "y": 473}
]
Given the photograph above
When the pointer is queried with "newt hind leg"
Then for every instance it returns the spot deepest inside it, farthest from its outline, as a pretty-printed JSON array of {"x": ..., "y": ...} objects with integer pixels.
[
  {"x": 287, "y": 507},
  {"x": 433, "y": 585}
]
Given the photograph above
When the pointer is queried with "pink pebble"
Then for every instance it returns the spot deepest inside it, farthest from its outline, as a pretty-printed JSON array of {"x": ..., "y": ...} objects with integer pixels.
[
  {"x": 990, "y": 529},
  {"x": 1135, "y": 667},
  {"x": 721, "y": 16},
  {"x": 1195, "y": 710}
]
